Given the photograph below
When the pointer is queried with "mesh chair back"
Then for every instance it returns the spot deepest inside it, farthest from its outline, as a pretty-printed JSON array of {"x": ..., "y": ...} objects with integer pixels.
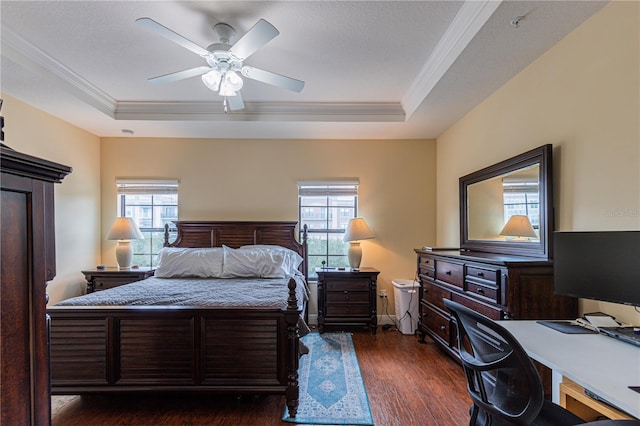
[{"x": 502, "y": 381}]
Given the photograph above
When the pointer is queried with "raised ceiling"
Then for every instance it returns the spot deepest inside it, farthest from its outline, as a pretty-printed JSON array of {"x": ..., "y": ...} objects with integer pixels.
[{"x": 373, "y": 69}]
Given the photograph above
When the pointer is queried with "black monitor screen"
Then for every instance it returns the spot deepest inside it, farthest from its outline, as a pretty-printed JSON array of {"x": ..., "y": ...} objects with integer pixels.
[{"x": 598, "y": 265}]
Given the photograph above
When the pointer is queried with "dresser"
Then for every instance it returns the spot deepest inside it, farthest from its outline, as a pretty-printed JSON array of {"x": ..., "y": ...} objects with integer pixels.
[
  {"x": 28, "y": 262},
  {"x": 498, "y": 286},
  {"x": 346, "y": 297},
  {"x": 102, "y": 279}
]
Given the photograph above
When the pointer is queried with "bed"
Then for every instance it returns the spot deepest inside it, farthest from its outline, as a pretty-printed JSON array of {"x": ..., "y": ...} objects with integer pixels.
[{"x": 186, "y": 346}]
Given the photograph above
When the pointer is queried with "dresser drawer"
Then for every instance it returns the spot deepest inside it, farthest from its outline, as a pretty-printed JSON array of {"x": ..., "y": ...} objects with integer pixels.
[
  {"x": 347, "y": 296},
  {"x": 450, "y": 273},
  {"x": 490, "y": 311},
  {"x": 334, "y": 311},
  {"x": 490, "y": 276},
  {"x": 483, "y": 291},
  {"x": 347, "y": 285},
  {"x": 434, "y": 295},
  {"x": 437, "y": 323}
]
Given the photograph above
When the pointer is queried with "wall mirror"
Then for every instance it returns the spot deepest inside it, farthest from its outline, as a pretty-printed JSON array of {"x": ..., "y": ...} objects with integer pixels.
[{"x": 507, "y": 208}]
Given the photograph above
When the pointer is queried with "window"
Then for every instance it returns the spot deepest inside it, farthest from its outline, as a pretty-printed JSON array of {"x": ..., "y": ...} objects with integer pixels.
[
  {"x": 326, "y": 207},
  {"x": 151, "y": 204}
]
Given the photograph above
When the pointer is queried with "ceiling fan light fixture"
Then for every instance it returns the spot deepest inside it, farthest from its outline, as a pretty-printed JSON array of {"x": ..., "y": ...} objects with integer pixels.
[
  {"x": 232, "y": 81},
  {"x": 212, "y": 80}
]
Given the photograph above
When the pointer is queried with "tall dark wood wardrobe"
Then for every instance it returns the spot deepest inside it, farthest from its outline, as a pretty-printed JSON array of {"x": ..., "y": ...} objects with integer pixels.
[{"x": 28, "y": 261}]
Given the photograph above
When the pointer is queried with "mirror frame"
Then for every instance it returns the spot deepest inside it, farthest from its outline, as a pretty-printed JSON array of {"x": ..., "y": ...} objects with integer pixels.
[{"x": 542, "y": 156}]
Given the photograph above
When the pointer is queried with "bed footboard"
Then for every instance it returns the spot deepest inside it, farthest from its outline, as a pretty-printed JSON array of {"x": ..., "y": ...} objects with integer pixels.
[{"x": 164, "y": 349}]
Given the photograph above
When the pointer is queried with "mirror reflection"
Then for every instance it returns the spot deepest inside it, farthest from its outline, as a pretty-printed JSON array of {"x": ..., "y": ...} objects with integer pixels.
[{"x": 506, "y": 207}]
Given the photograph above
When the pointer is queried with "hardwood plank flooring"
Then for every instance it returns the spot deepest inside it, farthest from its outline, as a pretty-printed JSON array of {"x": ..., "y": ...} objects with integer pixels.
[{"x": 407, "y": 384}]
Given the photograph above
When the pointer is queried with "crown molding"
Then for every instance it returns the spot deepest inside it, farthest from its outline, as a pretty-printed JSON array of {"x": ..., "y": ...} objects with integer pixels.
[
  {"x": 262, "y": 111},
  {"x": 467, "y": 23},
  {"x": 32, "y": 58}
]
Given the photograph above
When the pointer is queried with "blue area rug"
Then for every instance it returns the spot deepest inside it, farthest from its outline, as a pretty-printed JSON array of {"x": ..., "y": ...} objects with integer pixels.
[{"x": 331, "y": 388}]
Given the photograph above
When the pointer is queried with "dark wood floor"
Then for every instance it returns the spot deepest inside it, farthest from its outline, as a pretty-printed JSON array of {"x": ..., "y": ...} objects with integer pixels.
[{"x": 407, "y": 384}]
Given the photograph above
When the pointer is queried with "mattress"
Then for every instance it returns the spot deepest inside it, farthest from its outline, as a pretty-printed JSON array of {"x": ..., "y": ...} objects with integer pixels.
[{"x": 197, "y": 292}]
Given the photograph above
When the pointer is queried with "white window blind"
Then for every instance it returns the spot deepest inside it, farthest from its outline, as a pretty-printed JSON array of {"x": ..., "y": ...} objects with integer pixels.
[{"x": 147, "y": 186}]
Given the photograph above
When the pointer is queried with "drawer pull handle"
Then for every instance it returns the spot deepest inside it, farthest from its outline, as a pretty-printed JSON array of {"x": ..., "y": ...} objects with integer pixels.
[
  {"x": 443, "y": 328},
  {"x": 480, "y": 290},
  {"x": 346, "y": 291},
  {"x": 448, "y": 273},
  {"x": 481, "y": 274}
]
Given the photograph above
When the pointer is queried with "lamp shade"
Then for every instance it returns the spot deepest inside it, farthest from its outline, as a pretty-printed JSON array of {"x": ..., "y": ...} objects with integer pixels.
[
  {"x": 518, "y": 226},
  {"x": 124, "y": 228},
  {"x": 357, "y": 229}
]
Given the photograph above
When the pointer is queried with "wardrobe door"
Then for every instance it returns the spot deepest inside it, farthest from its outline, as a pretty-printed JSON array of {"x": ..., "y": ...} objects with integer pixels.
[{"x": 24, "y": 371}]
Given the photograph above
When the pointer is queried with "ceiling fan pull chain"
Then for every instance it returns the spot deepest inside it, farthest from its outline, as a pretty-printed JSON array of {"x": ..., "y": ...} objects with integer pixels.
[{"x": 224, "y": 104}]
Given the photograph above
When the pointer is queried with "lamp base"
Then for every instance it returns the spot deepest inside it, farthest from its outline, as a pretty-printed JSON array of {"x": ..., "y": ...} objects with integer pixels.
[
  {"x": 124, "y": 254},
  {"x": 355, "y": 254}
]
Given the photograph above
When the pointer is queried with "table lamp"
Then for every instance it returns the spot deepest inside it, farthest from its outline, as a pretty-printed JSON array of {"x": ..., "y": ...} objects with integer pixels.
[
  {"x": 357, "y": 229},
  {"x": 518, "y": 226},
  {"x": 124, "y": 230}
]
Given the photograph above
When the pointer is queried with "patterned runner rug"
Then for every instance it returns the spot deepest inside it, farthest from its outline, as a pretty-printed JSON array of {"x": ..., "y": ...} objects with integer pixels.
[{"x": 331, "y": 388}]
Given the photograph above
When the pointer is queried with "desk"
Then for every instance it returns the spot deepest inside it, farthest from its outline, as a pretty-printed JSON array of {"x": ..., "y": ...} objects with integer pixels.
[{"x": 599, "y": 363}]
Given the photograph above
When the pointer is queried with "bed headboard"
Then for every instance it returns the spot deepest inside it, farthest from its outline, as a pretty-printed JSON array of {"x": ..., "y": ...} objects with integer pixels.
[{"x": 236, "y": 234}]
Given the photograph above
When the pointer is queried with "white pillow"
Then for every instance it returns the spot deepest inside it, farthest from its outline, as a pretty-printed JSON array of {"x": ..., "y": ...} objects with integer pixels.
[
  {"x": 259, "y": 262},
  {"x": 182, "y": 262},
  {"x": 292, "y": 258}
]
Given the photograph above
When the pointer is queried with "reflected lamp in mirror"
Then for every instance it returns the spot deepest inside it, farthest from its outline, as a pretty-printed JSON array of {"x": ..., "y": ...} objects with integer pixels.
[
  {"x": 124, "y": 230},
  {"x": 357, "y": 230},
  {"x": 518, "y": 226}
]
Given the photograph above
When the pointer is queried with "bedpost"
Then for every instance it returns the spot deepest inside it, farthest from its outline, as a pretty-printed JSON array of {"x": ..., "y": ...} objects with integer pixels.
[
  {"x": 305, "y": 248},
  {"x": 292, "y": 315},
  {"x": 166, "y": 235}
]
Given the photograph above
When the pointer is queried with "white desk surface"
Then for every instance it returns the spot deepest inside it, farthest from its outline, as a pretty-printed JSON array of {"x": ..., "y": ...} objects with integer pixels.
[{"x": 599, "y": 363}]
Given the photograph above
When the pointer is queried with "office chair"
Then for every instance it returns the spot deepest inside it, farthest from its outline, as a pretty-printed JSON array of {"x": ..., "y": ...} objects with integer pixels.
[{"x": 503, "y": 383}]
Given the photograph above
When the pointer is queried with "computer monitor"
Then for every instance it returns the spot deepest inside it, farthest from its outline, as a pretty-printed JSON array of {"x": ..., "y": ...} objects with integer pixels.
[{"x": 602, "y": 265}]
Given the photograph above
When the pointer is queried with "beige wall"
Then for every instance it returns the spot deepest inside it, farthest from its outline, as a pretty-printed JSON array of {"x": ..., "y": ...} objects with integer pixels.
[
  {"x": 77, "y": 198},
  {"x": 582, "y": 96},
  {"x": 256, "y": 180}
]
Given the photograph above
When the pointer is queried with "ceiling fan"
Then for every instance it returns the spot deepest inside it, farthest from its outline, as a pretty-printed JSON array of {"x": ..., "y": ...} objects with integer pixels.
[{"x": 226, "y": 61}]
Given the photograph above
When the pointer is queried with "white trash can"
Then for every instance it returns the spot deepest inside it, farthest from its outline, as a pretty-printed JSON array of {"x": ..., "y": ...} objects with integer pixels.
[{"x": 406, "y": 295}]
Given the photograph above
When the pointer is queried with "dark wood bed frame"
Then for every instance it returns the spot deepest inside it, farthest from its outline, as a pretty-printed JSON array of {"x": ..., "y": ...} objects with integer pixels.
[{"x": 108, "y": 349}]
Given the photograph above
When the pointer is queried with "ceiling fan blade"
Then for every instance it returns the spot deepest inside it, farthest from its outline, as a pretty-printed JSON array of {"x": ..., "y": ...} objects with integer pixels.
[
  {"x": 259, "y": 35},
  {"x": 172, "y": 36},
  {"x": 273, "y": 78},
  {"x": 180, "y": 75},
  {"x": 235, "y": 102}
]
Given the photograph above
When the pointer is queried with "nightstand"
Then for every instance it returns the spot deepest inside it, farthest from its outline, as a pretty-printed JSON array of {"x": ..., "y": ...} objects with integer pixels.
[
  {"x": 346, "y": 296},
  {"x": 113, "y": 277}
]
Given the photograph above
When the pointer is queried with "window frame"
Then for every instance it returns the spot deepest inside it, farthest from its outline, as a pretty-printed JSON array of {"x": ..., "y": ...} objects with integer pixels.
[
  {"x": 144, "y": 253},
  {"x": 333, "y": 213}
]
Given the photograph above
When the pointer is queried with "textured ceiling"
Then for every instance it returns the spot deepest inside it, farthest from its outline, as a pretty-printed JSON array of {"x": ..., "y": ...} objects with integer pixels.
[{"x": 373, "y": 69}]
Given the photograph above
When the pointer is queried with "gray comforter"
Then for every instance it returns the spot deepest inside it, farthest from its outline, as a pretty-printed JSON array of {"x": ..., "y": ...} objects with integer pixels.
[{"x": 197, "y": 292}]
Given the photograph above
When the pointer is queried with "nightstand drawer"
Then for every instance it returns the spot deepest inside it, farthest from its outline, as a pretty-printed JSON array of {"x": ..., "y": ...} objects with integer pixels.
[
  {"x": 348, "y": 311},
  {"x": 101, "y": 284},
  {"x": 347, "y": 285},
  {"x": 104, "y": 279},
  {"x": 347, "y": 296}
]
